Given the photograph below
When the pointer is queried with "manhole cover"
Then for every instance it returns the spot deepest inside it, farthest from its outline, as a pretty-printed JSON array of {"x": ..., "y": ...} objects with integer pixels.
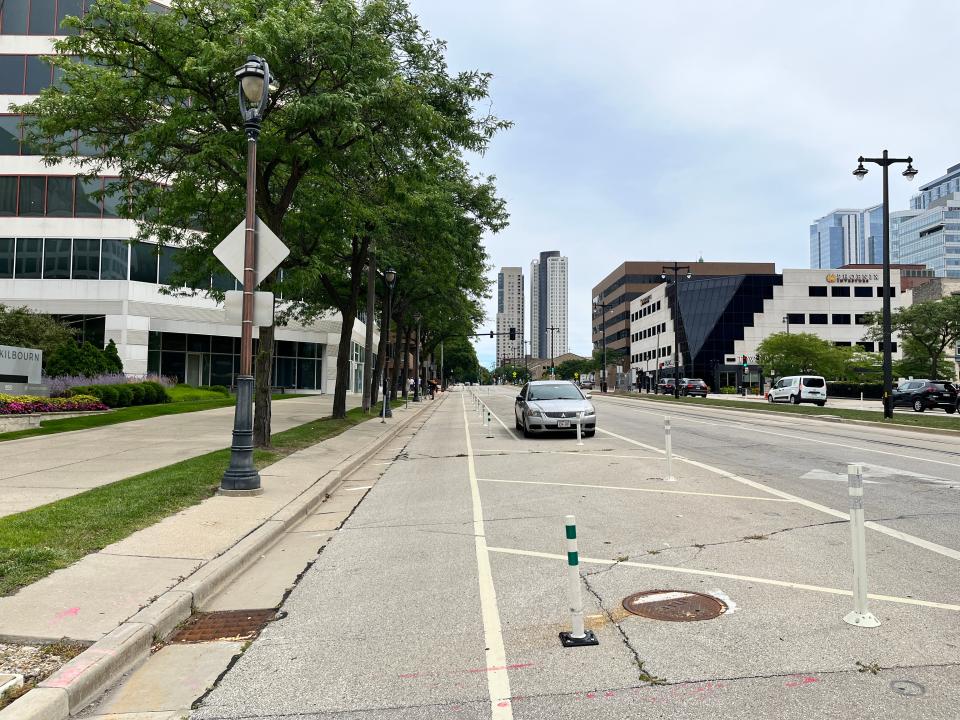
[
  {"x": 224, "y": 625},
  {"x": 674, "y": 605},
  {"x": 907, "y": 687}
]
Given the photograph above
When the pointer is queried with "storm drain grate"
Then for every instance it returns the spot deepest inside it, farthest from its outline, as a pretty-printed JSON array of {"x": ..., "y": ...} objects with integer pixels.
[
  {"x": 223, "y": 625},
  {"x": 674, "y": 605}
]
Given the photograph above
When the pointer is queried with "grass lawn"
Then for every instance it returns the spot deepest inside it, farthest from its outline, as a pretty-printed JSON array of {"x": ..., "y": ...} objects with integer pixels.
[
  {"x": 36, "y": 542},
  {"x": 207, "y": 400},
  {"x": 938, "y": 421}
]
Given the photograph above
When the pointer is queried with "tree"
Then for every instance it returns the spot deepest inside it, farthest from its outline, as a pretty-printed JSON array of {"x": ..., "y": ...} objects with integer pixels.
[
  {"x": 927, "y": 329},
  {"x": 85, "y": 360},
  {"x": 363, "y": 94},
  {"x": 19, "y": 327},
  {"x": 112, "y": 356},
  {"x": 796, "y": 353},
  {"x": 460, "y": 360},
  {"x": 916, "y": 363}
]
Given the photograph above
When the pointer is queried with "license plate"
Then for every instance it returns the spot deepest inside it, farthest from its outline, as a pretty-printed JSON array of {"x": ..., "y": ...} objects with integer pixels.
[{"x": 563, "y": 423}]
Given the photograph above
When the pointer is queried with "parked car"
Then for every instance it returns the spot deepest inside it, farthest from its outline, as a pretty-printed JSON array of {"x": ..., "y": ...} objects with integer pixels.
[
  {"x": 798, "y": 389},
  {"x": 664, "y": 387},
  {"x": 693, "y": 386},
  {"x": 926, "y": 395},
  {"x": 586, "y": 384},
  {"x": 553, "y": 405}
]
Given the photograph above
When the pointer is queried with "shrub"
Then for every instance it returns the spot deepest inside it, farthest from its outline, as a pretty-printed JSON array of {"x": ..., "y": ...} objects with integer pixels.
[
  {"x": 874, "y": 391},
  {"x": 215, "y": 388},
  {"x": 159, "y": 392},
  {"x": 61, "y": 386},
  {"x": 728, "y": 390},
  {"x": 124, "y": 396},
  {"x": 109, "y": 395},
  {"x": 139, "y": 393}
]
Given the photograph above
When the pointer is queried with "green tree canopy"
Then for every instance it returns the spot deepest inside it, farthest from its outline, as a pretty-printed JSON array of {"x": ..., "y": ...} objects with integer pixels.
[
  {"x": 20, "y": 327},
  {"x": 926, "y": 330},
  {"x": 795, "y": 353}
]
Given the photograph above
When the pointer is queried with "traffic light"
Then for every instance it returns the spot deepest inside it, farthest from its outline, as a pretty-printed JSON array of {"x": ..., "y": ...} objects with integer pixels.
[
  {"x": 513, "y": 333},
  {"x": 745, "y": 363},
  {"x": 491, "y": 334}
]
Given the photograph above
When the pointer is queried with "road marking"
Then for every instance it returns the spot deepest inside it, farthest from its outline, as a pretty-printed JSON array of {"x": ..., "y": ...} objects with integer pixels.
[
  {"x": 912, "y": 539},
  {"x": 834, "y": 477},
  {"x": 729, "y": 576},
  {"x": 498, "y": 681},
  {"x": 359, "y": 487},
  {"x": 635, "y": 489},
  {"x": 496, "y": 417}
]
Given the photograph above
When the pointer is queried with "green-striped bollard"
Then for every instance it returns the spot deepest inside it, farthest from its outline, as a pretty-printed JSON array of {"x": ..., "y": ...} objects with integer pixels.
[{"x": 577, "y": 636}]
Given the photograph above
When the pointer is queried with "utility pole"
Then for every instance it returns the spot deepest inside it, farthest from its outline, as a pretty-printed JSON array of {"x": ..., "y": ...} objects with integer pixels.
[{"x": 603, "y": 330}]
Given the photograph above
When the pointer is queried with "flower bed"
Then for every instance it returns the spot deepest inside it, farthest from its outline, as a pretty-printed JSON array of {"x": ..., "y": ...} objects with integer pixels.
[{"x": 27, "y": 404}]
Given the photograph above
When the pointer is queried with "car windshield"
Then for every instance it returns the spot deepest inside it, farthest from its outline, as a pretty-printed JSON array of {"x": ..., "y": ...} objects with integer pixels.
[{"x": 563, "y": 391}]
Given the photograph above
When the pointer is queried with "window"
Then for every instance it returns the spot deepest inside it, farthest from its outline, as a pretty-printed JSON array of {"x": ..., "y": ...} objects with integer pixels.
[
  {"x": 11, "y": 74},
  {"x": 863, "y": 292},
  {"x": 56, "y": 259},
  {"x": 60, "y": 197},
  {"x": 840, "y": 319},
  {"x": 817, "y": 291},
  {"x": 29, "y": 258},
  {"x": 143, "y": 262},
  {"x": 86, "y": 259},
  {"x": 842, "y": 343},
  {"x": 8, "y": 195},
  {"x": 37, "y": 76},
  {"x": 893, "y": 292},
  {"x": 9, "y": 134},
  {"x": 818, "y": 318},
  {"x": 114, "y": 260},
  {"x": 32, "y": 191},
  {"x": 14, "y": 19},
  {"x": 842, "y": 291},
  {"x": 796, "y": 318},
  {"x": 868, "y": 346},
  {"x": 860, "y": 319},
  {"x": 6, "y": 257},
  {"x": 87, "y": 206}
]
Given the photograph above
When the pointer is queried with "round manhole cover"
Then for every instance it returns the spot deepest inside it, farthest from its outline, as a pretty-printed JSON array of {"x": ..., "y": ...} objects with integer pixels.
[
  {"x": 907, "y": 687},
  {"x": 674, "y": 605}
]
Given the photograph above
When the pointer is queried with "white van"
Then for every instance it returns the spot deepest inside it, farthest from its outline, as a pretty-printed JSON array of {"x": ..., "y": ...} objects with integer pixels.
[{"x": 798, "y": 389}]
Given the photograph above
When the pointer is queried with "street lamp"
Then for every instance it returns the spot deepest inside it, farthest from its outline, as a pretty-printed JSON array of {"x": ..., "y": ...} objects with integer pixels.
[
  {"x": 241, "y": 477},
  {"x": 553, "y": 369},
  {"x": 416, "y": 385},
  {"x": 390, "y": 279},
  {"x": 910, "y": 173},
  {"x": 675, "y": 269},
  {"x": 603, "y": 330},
  {"x": 786, "y": 319}
]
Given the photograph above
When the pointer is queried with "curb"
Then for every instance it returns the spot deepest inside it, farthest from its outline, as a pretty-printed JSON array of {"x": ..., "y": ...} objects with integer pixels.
[
  {"x": 81, "y": 680},
  {"x": 821, "y": 418}
]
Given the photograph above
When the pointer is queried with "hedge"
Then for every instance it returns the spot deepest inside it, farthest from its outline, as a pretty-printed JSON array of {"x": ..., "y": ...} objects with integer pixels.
[
  {"x": 873, "y": 391},
  {"x": 124, "y": 394}
]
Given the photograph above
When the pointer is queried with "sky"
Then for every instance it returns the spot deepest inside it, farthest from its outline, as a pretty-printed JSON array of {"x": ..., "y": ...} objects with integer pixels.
[{"x": 669, "y": 131}]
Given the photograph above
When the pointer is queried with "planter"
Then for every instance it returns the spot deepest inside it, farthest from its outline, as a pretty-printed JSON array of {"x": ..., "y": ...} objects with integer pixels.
[{"x": 11, "y": 423}]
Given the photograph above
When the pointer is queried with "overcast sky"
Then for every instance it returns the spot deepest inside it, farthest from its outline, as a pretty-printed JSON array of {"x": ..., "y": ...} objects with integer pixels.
[{"x": 663, "y": 130}]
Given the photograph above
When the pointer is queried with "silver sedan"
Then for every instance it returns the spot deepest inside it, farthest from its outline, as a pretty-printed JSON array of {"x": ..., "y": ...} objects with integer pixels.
[{"x": 553, "y": 406}]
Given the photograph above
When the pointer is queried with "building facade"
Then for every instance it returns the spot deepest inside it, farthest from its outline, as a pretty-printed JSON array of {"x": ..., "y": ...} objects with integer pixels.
[
  {"x": 510, "y": 299},
  {"x": 549, "y": 298},
  {"x": 722, "y": 319},
  {"x": 66, "y": 253},
  {"x": 931, "y": 237}
]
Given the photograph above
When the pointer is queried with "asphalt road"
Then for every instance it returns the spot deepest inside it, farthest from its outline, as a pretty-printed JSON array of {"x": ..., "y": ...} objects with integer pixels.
[{"x": 444, "y": 593}]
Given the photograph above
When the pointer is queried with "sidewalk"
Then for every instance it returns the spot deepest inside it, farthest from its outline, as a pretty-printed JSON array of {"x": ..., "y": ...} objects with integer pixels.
[
  {"x": 92, "y": 597},
  {"x": 43, "y": 469}
]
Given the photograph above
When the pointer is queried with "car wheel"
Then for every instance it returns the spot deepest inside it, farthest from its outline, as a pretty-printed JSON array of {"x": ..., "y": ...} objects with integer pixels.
[
  {"x": 795, "y": 399},
  {"x": 590, "y": 433},
  {"x": 516, "y": 423},
  {"x": 918, "y": 406},
  {"x": 526, "y": 432},
  {"x": 950, "y": 410},
  {"x": 769, "y": 398},
  {"x": 821, "y": 403}
]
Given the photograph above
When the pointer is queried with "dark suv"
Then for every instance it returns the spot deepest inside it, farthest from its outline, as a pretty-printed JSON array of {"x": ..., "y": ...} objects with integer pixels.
[
  {"x": 693, "y": 386},
  {"x": 665, "y": 387},
  {"x": 926, "y": 395}
]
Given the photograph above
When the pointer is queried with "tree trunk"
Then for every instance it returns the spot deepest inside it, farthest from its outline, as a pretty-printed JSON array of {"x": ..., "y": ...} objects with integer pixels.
[
  {"x": 405, "y": 382},
  {"x": 347, "y": 305},
  {"x": 369, "y": 387},
  {"x": 396, "y": 365},
  {"x": 376, "y": 379},
  {"x": 343, "y": 364},
  {"x": 263, "y": 366}
]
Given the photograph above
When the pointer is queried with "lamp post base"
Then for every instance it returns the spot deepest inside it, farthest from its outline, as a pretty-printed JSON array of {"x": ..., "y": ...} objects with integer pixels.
[
  {"x": 387, "y": 410},
  {"x": 242, "y": 477}
]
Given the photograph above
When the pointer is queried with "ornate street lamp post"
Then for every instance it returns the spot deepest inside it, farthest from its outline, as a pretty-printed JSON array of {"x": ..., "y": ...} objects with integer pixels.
[
  {"x": 390, "y": 278},
  {"x": 416, "y": 387}
]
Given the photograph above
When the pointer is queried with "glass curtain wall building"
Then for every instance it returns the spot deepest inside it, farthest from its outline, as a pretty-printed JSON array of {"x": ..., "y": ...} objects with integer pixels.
[{"x": 67, "y": 253}]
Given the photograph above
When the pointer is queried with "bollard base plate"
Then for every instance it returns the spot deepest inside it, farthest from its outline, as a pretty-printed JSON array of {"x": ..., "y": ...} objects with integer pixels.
[
  {"x": 867, "y": 619},
  {"x": 567, "y": 640}
]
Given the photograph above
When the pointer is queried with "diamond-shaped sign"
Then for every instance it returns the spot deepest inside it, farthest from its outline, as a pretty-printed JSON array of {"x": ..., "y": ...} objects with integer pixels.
[{"x": 270, "y": 251}]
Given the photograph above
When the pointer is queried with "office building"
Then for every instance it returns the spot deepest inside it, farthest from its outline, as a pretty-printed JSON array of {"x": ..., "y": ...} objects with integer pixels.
[
  {"x": 549, "y": 319},
  {"x": 510, "y": 299},
  {"x": 722, "y": 319},
  {"x": 940, "y": 188},
  {"x": 67, "y": 253}
]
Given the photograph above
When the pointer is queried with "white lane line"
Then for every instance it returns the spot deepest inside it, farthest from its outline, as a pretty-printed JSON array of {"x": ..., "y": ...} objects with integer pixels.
[
  {"x": 730, "y": 576},
  {"x": 912, "y": 539},
  {"x": 359, "y": 487},
  {"x": 496, "y": 417},
  {"x": 498, "y": 679},
  {"x": 635, "y": 489}
]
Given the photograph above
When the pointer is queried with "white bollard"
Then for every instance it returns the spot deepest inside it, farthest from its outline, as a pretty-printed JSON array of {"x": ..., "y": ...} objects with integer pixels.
[
  {"x": 861, "y": 401},
  {"x": 860, "y": 615},
  {"x": 668, "y": 444},
  {"x": 489, "y": 425},
  {"x": 577, "y": 636},
  {"x": 579, "y": 423}
]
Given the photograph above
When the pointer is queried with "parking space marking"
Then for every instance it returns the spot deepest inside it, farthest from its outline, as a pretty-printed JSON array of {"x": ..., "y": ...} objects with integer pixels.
[
  {"x": 912, "y": 539},
  {"x": 498, "y": 679},
  {"x": 511, "y": 433},
  {"x": 729, "y": 576},
  {"x": 635, "y": 489}
]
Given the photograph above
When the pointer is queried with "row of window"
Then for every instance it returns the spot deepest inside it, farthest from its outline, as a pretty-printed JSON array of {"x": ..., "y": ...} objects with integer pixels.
[
  {"x": 26, "y": 75},
  {"x": 866, "y": 345},
  {"x": 57, "y": 196},
  {"x": 13, "y": 138},
  {"x": 45, "y": 17},
  {"x": 665, "y": 351},
  {"x": 646, "y": 310},
  {"x": 821, "y": 319},
  {"x": 649, "y": 332},
  {"x": 844, "y": 291}
]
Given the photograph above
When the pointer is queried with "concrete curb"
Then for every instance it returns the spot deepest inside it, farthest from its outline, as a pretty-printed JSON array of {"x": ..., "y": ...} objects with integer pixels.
[
  {"x": 821, "y": 418},
  {"x": 81, "y": 680}
]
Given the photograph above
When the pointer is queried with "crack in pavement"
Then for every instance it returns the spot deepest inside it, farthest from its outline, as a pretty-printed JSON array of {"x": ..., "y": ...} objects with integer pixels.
[{"x": 451, "y": 522}]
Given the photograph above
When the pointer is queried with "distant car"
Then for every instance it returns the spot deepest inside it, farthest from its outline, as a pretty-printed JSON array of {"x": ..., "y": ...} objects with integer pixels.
[
  {"x": 586, "y": 384},
  {"x": 798, "y": 389},
  {"x": 553, "y": 405},
  {"x": 926, "y": 395},
  {"x": 694, "y": 387},
  {"x": 665, "y": 387}
]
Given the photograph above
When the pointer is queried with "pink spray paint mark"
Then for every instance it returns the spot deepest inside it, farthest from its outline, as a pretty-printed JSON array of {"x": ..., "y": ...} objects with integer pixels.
[{"x": 70, "y": 612}]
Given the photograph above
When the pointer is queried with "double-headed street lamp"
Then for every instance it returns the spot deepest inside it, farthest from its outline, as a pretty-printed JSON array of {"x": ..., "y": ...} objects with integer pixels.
[
  {"x": 416, "y": 385},
  {"x": 675, "y": 269},
  {"x": 241, "y": 477},
  {"x": 603, "y": 330},
  {"x": 389, "y": 279},
  {"x": 553, "y": 369},
  {"x": 910, "y": 173}
]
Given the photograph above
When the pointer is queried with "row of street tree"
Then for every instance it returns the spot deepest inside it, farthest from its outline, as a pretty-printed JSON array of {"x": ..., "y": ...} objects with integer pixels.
[{"x": 362, "y": 157}]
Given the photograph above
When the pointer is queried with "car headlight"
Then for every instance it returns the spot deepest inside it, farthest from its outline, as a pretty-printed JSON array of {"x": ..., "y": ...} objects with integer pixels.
[
  {"x": 591, "y": 411},
  {"x": 534, "y": 413}
]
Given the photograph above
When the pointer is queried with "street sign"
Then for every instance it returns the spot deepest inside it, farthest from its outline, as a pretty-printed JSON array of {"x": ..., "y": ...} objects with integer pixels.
[
  {"x": 514, "y": 373},
  {"x": 262, "y": 308},
  {"x": 270, "y": 251}
]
